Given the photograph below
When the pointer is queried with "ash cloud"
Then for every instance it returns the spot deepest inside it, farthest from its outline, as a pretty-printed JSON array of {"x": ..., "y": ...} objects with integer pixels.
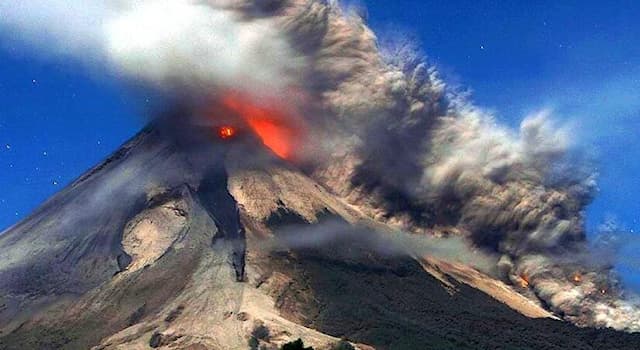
[
  {"x": 397, "y": 243},
  {"x": 412, "y": 152},
  {"x": 385, "y": 132},
  {"x": 173, "y": 45}
]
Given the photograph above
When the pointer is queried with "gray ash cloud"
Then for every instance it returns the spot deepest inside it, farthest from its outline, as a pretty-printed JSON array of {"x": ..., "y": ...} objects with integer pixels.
[{"x": 385, "y": 131}]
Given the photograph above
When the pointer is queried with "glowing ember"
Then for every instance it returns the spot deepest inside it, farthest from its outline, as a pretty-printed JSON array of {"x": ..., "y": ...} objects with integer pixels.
[
  {"x": 524, "y": 281},
  {"x": 577, "y": 277},
  {"x": 226, "y": 132}
]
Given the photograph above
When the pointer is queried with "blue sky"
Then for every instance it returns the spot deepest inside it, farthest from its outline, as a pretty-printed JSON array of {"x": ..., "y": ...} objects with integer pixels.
[{"x": 581, "y": 58}]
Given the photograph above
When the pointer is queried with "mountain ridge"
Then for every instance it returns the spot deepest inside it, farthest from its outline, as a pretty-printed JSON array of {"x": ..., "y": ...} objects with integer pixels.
[{"x": 166, "y": 244}]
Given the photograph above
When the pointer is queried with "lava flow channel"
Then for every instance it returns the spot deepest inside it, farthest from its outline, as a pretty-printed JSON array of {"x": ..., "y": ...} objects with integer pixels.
[{"x": 275, "y": 128}]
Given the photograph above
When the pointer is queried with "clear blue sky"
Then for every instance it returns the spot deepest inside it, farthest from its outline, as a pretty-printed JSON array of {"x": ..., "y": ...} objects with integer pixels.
[{"x": 581, "y": 58}]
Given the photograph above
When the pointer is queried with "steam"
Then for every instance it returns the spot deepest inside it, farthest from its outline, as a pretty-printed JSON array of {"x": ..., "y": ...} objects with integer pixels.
[
  {"x": 385, "y": 132},
  {"x": 396, "y": 244},
  {"x": 193, "y": 44},
  {"x": 172, "y": 45}
]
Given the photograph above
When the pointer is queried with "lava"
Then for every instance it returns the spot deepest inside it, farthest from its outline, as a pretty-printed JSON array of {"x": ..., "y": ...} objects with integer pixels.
[
  {"x": 275, "y": 127},
  {"x": 226, "y": 132},
  {"x": 524, "y": 281},
  {"x": 577, "y": 277}
]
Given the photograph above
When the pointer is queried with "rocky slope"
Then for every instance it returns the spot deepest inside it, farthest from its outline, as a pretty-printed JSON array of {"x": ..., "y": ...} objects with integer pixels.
[{"x": 169, "y": 244}]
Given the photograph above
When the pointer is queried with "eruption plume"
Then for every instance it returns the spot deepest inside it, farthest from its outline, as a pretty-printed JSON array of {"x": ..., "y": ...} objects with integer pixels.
[{"x": 374, "y": 120}]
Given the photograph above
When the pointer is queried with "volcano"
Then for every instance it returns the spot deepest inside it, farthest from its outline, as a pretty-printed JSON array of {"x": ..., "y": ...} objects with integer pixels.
[{"x": 163, "y": 245}]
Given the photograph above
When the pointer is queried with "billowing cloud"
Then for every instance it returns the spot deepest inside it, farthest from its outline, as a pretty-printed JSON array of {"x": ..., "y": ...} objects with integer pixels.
[
  {"x": 398, "y": 243},
  {"x": 384, "y": 131},
  {"x": 194, "y": 45}
]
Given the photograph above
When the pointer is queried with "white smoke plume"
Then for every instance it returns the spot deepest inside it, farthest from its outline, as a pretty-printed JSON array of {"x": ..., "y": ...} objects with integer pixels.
[
  {"x": 385, "y": 131},
  {"x": 175, "y": 45},
  {"x": 396, "y": 244}
]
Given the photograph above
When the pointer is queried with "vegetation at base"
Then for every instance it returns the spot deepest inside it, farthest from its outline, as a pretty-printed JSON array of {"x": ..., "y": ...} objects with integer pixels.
[
  {"x": 253, "y": 343},
  {"x": 343, "y": 345},
  {"x": 260, "y": 332},
  {"x": 295, "y": 345}
]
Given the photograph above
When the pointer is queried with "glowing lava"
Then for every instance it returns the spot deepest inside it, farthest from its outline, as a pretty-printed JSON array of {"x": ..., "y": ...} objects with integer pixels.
[
  {"x": 577, "y": 277},
  {"x": 524, "y": 281},
  {"x": 226, "y": 132},
  {"x": 274, "y": 127}
]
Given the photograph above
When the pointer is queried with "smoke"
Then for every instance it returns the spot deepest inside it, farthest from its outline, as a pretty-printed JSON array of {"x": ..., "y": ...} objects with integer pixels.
[
  {"x": 409, "y": 151},
  {"x": 196, "y": 45},
  {"x": 391, "y": 244},
  {"x": 67, "y": 28},
  {"x": 382, "y": 129},
  {"x": 172, "y": 45}
]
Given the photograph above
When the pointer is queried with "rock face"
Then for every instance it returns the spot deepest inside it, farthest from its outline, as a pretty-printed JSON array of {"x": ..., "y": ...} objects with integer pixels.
[{"x": 166, "y": 244}]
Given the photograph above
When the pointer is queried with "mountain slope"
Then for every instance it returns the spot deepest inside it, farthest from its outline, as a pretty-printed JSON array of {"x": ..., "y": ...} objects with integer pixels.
[{"x": 169, "y": 244}]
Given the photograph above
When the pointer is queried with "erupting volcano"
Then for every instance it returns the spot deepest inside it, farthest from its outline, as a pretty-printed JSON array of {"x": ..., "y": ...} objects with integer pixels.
[
  {"x": 186, "y": 257},
  {"x": 315, "y": 183}
]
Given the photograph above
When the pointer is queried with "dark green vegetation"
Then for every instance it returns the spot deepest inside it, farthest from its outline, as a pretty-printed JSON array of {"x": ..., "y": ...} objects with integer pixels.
[
  {"x": 343, "y": 345},
  {"x": 260, "y": 332},
  {"x": 295, "y": 345}
]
